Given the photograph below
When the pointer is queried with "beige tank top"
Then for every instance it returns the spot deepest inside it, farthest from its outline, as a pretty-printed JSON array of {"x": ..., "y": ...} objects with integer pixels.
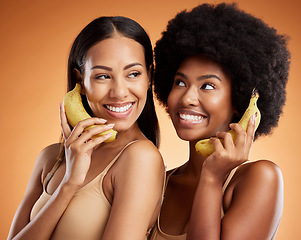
[
  {"x": 158, "y": 234},
  {"x": 87, "y": 214}
]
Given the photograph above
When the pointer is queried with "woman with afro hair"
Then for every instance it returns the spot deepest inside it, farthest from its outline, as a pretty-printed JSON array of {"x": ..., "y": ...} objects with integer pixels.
[{"x": 208, "y": 61}]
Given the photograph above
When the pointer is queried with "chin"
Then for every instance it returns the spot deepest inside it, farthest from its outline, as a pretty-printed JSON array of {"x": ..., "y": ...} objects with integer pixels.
[
  {"x": 123, "y": 127},
  {"x": 187, "y": 136}
]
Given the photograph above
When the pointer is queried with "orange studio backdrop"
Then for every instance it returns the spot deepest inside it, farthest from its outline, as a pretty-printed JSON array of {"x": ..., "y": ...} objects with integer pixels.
[{"x": 35, "y": 39}]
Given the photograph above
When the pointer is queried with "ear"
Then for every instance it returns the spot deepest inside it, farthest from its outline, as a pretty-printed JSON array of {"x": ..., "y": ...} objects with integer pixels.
[{"x": 79, "y": 79}]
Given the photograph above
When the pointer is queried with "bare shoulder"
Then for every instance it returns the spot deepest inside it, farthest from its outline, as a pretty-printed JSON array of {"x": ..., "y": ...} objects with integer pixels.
[
  {"x": 47, "y": 158},
  {"x": 143, "y": 152},
  {"x": 259, "y": 171},
  {"x": 141, "y": 156},
  {"x": 142, "y": 163},
  {"x": 50, "y": 151},
  {"x": 255, "y": 179},
  {"x": 135, "y": 187},
  {"x": 256, "y": 189}
]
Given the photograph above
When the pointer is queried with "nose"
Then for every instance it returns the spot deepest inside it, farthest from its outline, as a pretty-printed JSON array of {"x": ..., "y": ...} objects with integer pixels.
[
  {"x": 190, "y": 97},
  {"x": 119, "y": 89}
]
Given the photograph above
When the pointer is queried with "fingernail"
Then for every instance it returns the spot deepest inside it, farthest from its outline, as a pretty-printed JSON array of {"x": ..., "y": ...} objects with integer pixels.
[
  {"x": 101, "y": 120},
  {"x": 253, "y": 118},
  {"x": 111, "y": 125}
]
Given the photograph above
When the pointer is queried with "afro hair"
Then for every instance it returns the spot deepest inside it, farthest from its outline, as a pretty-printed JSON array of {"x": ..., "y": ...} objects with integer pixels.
[{"x": 251, "y": 52}]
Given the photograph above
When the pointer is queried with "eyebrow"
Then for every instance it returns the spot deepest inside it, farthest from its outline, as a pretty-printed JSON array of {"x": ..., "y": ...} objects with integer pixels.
[
  {"x": 111, "y": 69},
  {"x": 199, "y": 78},
  {"x": 132, "y": 65},
  {"x": 101, "y": 67}
]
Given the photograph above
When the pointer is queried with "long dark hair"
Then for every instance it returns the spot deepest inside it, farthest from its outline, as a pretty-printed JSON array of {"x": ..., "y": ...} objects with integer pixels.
[{"x": 104, "y": 28}]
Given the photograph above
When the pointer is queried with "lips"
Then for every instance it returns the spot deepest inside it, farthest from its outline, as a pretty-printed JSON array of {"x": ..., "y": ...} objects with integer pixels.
[
  {"x": 119, "y": 109},
  {"x": 191, "y": 117}
]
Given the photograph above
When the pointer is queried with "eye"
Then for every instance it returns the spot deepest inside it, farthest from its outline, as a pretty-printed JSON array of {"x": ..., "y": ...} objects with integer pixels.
[
  {"x": 208, "y": 86},
  {"x": 179, "y": 83},
  {"x": 102, "y": 76},
  {"x": 134, "y": 74}
]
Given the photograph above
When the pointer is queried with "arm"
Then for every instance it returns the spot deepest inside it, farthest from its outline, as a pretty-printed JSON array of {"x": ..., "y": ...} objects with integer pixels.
[
  {"x": 205, "y": 220},
  {"x": 254, "y": 207},
  {"x": 259, "y": 196},
  {"x": 138, "y": 184},
  {"x": 78, "y": 156},
  {"x": 42, "y": 226},
  {"x": 34, "y": 189}
]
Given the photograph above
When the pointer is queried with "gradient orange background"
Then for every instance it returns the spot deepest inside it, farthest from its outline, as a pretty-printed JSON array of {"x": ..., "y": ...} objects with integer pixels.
[{"x": 35, "y": 39}]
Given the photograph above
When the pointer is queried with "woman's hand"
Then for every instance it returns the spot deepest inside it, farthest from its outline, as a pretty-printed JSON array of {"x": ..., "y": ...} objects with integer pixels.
[
  {"x": 79, "y": 145},
  {"x": 229, "y": 155}
]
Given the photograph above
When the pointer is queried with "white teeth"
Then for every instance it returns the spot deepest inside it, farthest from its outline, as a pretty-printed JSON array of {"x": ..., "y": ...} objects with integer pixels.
[
  {"x": 119, "y": 109},
  {"x": 190, "y": 117}
]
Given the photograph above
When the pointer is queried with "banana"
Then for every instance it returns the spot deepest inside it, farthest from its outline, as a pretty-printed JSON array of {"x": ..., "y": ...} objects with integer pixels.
[
  {"x": 76, "y": 112},
  {"x": 205, "y": 147}
]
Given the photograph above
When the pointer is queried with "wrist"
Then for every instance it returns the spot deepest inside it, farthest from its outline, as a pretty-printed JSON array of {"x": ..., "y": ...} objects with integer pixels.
[
  {"x": 211, "y": 178},
  {"x": 67, "y": 185},
  {"x": 65, "y": 192}
]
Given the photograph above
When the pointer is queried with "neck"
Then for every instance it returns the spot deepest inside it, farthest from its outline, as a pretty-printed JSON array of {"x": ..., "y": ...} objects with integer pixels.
[{"x": 195, "y": 163}]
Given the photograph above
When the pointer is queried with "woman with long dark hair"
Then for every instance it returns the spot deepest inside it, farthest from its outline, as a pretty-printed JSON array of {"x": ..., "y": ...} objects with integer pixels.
[{"x": 84, "y": 187}]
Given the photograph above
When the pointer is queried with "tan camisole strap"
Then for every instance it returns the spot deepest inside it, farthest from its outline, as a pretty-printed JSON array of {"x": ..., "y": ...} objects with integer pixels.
[
  {"x": 58, "y": 163},
  {"x": 166, "y": 179},
  {"x": 117, "y": 156},
  {"x": 231, "y": 174}
]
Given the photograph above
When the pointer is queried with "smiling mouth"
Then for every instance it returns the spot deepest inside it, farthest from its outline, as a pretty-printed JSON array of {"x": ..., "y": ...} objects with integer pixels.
[
  {"x": 191, "y": 118},
  {"x": 119, "y": 109}
]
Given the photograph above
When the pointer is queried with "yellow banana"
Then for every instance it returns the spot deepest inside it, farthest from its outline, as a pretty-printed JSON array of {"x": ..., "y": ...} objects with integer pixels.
[
  {"x": 205, "y": 147},
  {"x": 76, "y": 112}
]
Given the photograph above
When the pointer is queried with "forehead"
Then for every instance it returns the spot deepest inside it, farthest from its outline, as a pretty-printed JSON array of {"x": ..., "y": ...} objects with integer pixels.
[
  {"x": 116, "y": 49},
  {"x": 198, "y": 65}
]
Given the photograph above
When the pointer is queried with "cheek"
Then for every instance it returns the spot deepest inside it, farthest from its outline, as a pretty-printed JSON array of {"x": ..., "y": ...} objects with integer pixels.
[
  {"x": 143, "y": 86},
  {"x": 172, "y": 99},
  {"x": 220, "y": 101},
  {"x": 223, "y": 109},
  {"x": 143, "y": 97},
  {"x": 95, "y": 94},
  {"x": 170, "y": 103},
  {"x": 139, "y": 91},
  {"x": 90, "y": 90}
]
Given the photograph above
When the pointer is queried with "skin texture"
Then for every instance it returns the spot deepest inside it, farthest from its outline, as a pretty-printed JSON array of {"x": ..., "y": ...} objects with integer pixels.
[
  {"x": 253, "y": 200},
  {"x": 121, "y": 80}
]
